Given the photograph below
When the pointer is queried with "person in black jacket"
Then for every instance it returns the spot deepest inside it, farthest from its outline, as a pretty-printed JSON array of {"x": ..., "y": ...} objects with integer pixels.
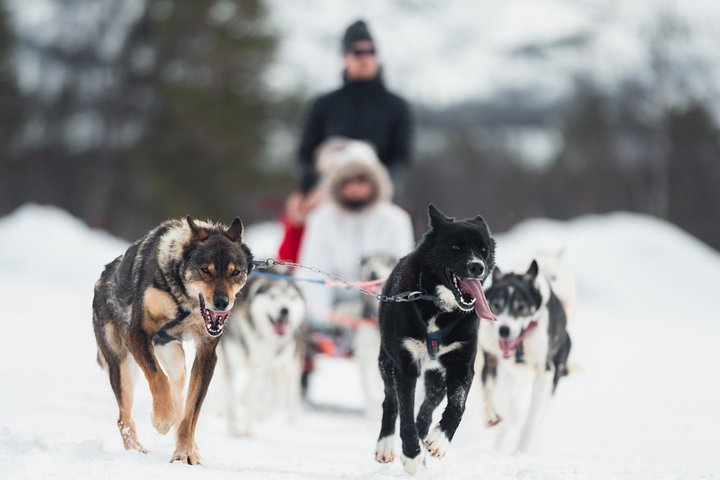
[{"x": 362, "y": 109}]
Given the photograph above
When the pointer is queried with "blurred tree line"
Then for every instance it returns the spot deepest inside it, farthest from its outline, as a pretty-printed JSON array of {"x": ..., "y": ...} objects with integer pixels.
[
  {"x": 172, "y": 123},
  {"x": 611, "y": 153},
  {"x": 177, "y": 120}
]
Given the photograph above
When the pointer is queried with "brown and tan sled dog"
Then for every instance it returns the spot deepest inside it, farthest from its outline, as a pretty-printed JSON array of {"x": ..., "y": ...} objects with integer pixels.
[{"x": 178, "y": 282}]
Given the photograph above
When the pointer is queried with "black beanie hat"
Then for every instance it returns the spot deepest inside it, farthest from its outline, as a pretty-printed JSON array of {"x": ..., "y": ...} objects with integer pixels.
[{"x": 356, "y": 32}]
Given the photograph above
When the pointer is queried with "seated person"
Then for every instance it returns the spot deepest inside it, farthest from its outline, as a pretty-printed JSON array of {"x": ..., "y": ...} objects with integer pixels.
[
  {"x": 355, "y": 219},
  {"x": 299, "y": 205}
]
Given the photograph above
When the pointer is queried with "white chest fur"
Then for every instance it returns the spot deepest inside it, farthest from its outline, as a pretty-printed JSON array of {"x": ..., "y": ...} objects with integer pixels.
[{"x": 446, "y": 302}]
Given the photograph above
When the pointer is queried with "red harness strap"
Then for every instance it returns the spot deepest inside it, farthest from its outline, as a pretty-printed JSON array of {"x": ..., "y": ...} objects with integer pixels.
[{"x": 351, "y": 322}]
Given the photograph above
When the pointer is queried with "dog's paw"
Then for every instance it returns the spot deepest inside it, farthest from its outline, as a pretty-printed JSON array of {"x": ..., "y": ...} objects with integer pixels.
[
  {"x": 493, "y": 420},
  {"x": 186, "y": 455},
  {"x": 129, "y": 437},
  {"x": 412, "y": 465},
  {"x": 437, "y": 442},
  {"x": 163, "y": 416},
  {"x": 385, "y": 449}
]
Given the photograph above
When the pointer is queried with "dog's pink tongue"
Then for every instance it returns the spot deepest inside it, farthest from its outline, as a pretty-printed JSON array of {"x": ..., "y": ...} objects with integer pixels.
[
  {"x": 218, "y": 316},
  {"x": 474, "y": 288},
  {"x": 507, "y": 347}
]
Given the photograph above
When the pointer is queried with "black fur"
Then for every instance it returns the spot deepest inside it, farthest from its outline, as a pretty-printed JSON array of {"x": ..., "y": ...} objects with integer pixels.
[{"x": 445, "y": 249}]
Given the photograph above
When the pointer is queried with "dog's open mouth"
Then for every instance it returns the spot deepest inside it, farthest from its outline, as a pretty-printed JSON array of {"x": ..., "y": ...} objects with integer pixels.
[
  {"x": 470, "y": 295},
  {"x": 508, "y": 346},
  {"x": 279, "y": 324},
  {"x": 214, "y": 319}
]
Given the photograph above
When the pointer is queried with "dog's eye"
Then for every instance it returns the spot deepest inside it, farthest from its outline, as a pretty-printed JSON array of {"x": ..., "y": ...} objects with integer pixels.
[
  {"x": 496, "y": 306},
  {"x": 456, "y": 248},
  {"x": 235, "y": 273},
  {"x": 205, "y": 270},
  {"x": 484, "y": 251}
]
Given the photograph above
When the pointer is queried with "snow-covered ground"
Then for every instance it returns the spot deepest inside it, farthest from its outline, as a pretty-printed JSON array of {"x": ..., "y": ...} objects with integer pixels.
[{"x": 642, "y": 405}]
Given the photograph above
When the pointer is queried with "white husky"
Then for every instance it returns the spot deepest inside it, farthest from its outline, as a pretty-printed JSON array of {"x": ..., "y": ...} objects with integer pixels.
[{"x": 265, "y": 344}]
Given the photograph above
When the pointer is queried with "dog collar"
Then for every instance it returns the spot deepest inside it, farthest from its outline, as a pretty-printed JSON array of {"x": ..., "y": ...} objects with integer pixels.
[{"x": 425, "y": 296}]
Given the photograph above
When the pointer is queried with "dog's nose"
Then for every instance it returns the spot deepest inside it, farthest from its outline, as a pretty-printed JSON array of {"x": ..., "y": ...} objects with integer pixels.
[
  {"x": 221, "y": 302},
  {"x": 284, "y": 312},
  {"x": 476, "y": 269},
  {"x": 504, "y": 331}
]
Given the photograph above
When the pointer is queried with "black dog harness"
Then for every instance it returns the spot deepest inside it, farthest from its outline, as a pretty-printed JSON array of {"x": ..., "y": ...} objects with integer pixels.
[{"x": 433, "y": 340}]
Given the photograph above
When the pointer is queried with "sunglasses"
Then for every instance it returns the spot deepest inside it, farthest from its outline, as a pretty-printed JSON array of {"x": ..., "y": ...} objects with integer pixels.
[{"x": 362, "y": 53}]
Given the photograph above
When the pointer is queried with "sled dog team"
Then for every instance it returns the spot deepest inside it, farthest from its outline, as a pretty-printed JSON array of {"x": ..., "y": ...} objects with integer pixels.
[{"x": 188, "y": 280}]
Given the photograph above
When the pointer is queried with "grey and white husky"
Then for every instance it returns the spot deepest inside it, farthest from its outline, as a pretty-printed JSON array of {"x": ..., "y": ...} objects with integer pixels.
[{"x": 265, "y": 347}]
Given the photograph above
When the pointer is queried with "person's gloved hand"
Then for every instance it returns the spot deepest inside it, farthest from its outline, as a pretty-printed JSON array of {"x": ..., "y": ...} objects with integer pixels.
[{"x": 299, "y": 205}]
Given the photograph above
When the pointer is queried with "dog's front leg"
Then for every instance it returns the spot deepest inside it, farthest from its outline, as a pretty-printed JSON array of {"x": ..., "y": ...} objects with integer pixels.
[
  {"x": 202, "y": 371},
  {"x": 434, "y": 395},
  {"x": 255, "y": 383},
  {"x": 488, "y": 376},
  {"x": 542, "y": 385},
  {"x": 140, "y": 345},
  {"x": 413, "y": 456},
  {"x": 292, "y": 387},
  {"x": 459, "y": 375},
  {"x": 230, "y": 395}
]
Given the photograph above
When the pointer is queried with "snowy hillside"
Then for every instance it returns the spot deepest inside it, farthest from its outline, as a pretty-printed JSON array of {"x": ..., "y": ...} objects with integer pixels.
[
  {"x": 434, "y": 52},
  {"x": 458, "y": 50},
  {"x": 642, "y": 404}
]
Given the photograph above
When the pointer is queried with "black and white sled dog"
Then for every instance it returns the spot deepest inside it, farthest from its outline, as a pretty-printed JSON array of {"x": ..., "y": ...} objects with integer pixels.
[
  {"x": 435, "y": 337},
  {"x": 263, "y": 346},
  {"x": 176, "y": 283},
  {"x": 524, "y": 352}
]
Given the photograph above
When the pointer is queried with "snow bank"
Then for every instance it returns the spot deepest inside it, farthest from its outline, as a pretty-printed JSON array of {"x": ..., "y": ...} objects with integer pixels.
[{"x": 48, "y": 244}]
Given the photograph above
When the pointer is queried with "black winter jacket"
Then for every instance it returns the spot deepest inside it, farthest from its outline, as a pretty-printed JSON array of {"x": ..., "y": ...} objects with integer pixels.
[{"x": 361, "y": 110}]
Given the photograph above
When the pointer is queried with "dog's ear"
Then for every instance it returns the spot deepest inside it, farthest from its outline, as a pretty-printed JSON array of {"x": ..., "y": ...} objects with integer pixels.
[
  {"x": 199, "y": 233},
  {"x": 480, "y": 221},
  {"x": 436, "y": 216},
  {"x": 249, "y": 256},
  {"x": 235, "y": 231},
  {"x": 532, "y": 272},
  {"x": 496, "y": 275}
]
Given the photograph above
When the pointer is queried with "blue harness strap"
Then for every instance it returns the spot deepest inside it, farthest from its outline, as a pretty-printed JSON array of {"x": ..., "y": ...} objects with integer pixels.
[{"x": 292, "y": 278}]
